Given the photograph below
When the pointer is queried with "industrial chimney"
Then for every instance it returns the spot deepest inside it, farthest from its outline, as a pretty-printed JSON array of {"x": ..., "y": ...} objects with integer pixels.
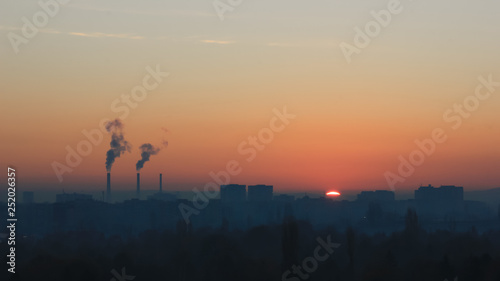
[
  {"x": 108, "y": 189},
  {"x": 138, "y": 186},
  {"x": 160, "y": 183}
]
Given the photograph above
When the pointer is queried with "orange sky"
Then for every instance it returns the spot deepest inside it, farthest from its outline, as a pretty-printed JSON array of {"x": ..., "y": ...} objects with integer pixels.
[{"x": 352, "y": 120}]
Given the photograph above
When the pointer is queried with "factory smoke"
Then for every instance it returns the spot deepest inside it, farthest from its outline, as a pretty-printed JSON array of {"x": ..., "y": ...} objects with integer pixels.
[
  {"x": 118, "y": 144},
  {"x": 164, "y": 142},
  {"x": 147, "y": 150}
]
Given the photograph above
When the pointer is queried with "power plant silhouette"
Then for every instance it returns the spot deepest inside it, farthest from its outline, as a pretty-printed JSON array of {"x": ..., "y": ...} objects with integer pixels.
[
  {"x": 138, "y": 186},
  {"x": 108, "y": 188},
  {"x": 119, "y": 146}
]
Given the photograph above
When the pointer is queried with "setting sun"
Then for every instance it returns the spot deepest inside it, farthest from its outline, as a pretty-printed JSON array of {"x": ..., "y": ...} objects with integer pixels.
[{"x": 333, "y": 193}]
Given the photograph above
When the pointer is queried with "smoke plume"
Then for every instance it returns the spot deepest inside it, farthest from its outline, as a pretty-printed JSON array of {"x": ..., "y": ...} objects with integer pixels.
[
  {"x": 118, "y": 144},
  {"x": 164, "y": 142},
  {"x": 147, "y": 150}
]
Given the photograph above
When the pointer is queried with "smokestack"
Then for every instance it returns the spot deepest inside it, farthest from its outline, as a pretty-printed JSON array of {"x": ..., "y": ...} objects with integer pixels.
[
  {"x": 108, "y": 189},
  {"x": 160, "y": 183},
  {"x": 138, "y": 185}
]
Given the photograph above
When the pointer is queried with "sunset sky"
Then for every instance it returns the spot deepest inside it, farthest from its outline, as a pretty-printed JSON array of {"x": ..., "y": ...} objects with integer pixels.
[{"x": 352, "y": 122}]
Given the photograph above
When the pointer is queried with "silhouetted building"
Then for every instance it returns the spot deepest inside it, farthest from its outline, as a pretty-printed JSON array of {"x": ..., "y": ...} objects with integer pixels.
[
  {"x": 68, "y": 197},
  {"x": 233, "y": 193},
  {"x": 260, "y": 192},
  {"x": 28, "y": 197},
  {"x": 376, "y": 196},
  {"x": 163, "y": 196},
  {"x": 283, "y": 197},
  {"x": 445, "y": 193}
]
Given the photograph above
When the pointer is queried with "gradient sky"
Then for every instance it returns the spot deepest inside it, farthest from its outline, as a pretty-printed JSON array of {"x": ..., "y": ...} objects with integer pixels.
[{"x": 352, "y": 120}]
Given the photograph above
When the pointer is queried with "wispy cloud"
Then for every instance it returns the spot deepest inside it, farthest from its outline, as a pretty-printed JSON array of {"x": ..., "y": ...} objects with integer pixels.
[
  {"x": 217, "y": 42},
  {"x": 104, "y": 35},
  {"x": 81, "y": 34},
  {"x": 11, "y": 28},
  {"x": 308, "y": 44},
  {"x": 159, "y": 12}
]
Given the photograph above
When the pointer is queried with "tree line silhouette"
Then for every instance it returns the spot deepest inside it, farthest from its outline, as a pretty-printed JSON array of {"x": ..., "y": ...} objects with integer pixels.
[{"x": 260, "y": 253}]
